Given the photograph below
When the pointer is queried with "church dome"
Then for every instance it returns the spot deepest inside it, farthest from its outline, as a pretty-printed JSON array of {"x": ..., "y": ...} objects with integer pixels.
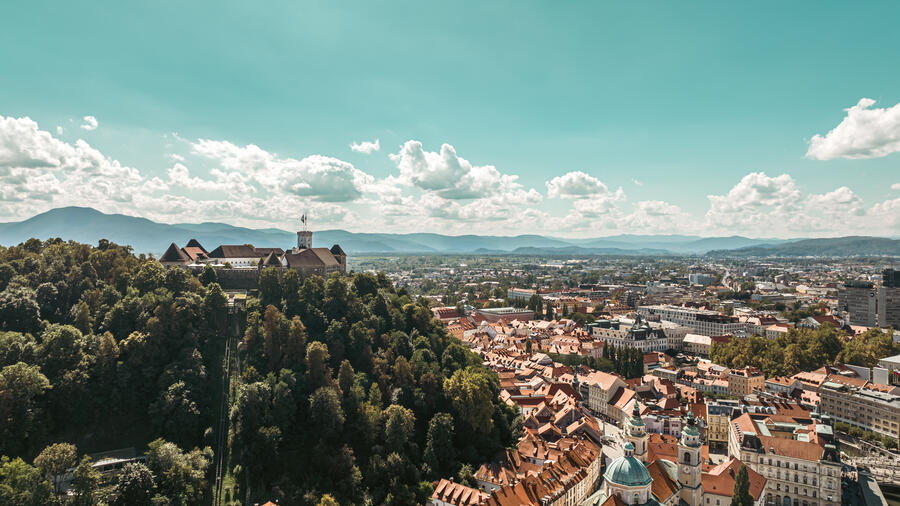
[{"x": 627, "y": 471}]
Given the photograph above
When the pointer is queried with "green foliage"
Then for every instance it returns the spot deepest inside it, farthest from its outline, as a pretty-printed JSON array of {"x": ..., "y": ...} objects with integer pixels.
[
  {"x": 136, "y": 486},
  {"x": 741, "y": 495},
  {"x": 804, "y": 350},
  {"x": 54, "y": 460},
  {"x": 22, "y": 484},
  {"x": 374, "y": 399}
]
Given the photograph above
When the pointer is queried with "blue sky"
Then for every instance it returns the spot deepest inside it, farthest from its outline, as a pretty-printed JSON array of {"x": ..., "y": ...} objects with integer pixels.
[{"x": 574, "y": 119}]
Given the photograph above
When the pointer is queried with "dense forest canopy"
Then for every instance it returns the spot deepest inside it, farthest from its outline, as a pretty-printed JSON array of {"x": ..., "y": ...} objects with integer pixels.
[{"x": 344, "y": 389}]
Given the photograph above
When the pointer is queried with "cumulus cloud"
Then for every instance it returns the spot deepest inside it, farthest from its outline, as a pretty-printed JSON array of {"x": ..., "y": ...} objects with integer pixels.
[
  {"x": 59, "y": 130},
  {"x": 863, "y": 133},
  {"x": 90, "y": 123},
  {"x": 574, "y": 185},
  {"x": 318, "y": 177},
  {"x": 895, "y": 186},
  {"x": 449, "y": 176},
  {"x": 366, "y": 147}
]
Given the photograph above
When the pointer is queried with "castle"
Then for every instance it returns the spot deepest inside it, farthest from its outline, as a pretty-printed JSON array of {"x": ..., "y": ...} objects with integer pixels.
[{"x": 244, "y": 261}]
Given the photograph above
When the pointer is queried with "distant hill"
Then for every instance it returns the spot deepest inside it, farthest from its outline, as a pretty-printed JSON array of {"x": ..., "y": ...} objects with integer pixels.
[
  {"x": 88, "y": 225},
  {"x": 830, "y": 247}
]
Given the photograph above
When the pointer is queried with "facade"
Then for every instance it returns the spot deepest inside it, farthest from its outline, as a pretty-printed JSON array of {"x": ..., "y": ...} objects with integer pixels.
[
  {"x": 745, "y": 381},
  {"x": 506, "y": 314},
  {"x": 640, "y": 335},
  {"x": 704, "y": 322},
  {"x": 870, "y": 409},
  {"x": 718, "y": 417},
  {"x": 889, "y": 306},
  {"x": 860, "y": 300},
  {"x": 800, "y": 461},
  {"x": 695, "y": 344},
  {"x": 701, "y": 279},
  {"x": 601, "y": 387}
]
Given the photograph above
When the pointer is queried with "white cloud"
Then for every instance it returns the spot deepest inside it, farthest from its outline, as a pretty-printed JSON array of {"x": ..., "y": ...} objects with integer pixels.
[
  {"x": 318, "y": 177},
  {"x": 638, "y": 183},
  {"x": 366, "y": 147},
  {"x": 574, "y": 185},
  {"x": 450, "y": 176},
  {"x": 895, "y": 186},
  {"x": 863, "y": 133},
  {"x": 59, "y": 130},
  {"x": 90, "y": 123}
]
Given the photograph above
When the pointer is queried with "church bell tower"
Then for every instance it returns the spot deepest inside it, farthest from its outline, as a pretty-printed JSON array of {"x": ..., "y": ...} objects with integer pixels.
[
  {"x": 636, "y": 433},
  {"x": 689, "y": 462}
]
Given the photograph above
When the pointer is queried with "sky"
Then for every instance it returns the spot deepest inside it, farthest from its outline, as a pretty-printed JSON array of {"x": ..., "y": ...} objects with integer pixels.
[{"x": 570, "y": 119}]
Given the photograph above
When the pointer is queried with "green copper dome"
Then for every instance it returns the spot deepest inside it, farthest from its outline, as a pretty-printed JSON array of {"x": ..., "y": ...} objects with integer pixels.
[{"x": 628, "y": 472}]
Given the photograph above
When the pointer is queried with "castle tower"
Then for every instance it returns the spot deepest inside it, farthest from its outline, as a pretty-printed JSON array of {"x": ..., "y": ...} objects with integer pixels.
[
  {"x": 304, "y": 237},
  {"x": 689, "y": 462},
  {"x": 636, "y": 433}
]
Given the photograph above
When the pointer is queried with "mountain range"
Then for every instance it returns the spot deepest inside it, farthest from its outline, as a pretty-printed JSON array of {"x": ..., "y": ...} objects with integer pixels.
[{"x": 145, "y": 236}]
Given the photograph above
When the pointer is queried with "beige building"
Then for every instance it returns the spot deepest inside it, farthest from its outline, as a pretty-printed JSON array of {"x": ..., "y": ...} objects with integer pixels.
[
  {"x": 745, "y": 381},
  {"x": 800, "y": 461},
  {"x": 865, "y": 407}
]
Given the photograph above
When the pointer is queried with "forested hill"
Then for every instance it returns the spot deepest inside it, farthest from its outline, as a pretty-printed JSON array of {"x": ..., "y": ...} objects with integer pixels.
[
  {"x": 832, "y": 247},
  {"x": 348, "y": 389}
]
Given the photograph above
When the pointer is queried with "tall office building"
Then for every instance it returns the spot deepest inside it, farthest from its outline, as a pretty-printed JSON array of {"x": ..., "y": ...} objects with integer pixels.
[
  {"x": 860, "y": 300},
  {"x": 889, "y": 299}
]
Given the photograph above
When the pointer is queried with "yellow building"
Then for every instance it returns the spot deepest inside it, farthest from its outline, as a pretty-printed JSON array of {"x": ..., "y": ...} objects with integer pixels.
[{"x": 745, "y": 381}]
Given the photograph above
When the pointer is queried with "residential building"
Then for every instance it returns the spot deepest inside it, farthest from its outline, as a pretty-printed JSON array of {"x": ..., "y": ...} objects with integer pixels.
[
  {"x": 718, "y": 418},
  {"x": 703, "y": 321},
  {"x": 800, "y": 460},
  {"x": 745, "y": 381},
  {"x": 871, "y": 407},
  {"x": 506, "y": 314},
  {"x": 639, "y": 335}
]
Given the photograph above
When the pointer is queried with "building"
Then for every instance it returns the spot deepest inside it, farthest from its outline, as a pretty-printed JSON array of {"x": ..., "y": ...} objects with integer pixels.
[
  {"x": 703, "y": 321},
  {"x": 745, "y": 381},
  {"x": 506, "y": 314},
  {"x": 695, "y": 344},
  {"x": 871, "y": 407},
  {"x": 889, "y": 306},
  {"x": 860, "y": 300},
  {"x": 632, "y": 481},
  {"x": 701, "y": 279},
  {"x": 640, "y": 335},
  {"x": 718, "y": 417},
  {"x": 242, "y": 260},
  {"x": 448, "y": 493},
  {"x": 799, "y": 460}
]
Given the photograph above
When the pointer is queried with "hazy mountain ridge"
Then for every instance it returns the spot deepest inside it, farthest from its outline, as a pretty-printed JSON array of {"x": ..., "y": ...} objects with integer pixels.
[
  {"x": 834, "y": 246},
  {"x": 145, "y": 236}
]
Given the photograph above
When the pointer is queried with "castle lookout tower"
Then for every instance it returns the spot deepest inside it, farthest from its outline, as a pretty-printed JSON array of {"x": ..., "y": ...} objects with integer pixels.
[{"x": 304, "y": 237}]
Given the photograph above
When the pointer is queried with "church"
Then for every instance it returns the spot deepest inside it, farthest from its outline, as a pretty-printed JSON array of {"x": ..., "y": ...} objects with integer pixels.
[
  {"x": 245, "y": 258},
  {"x": 633, "y": 480}
]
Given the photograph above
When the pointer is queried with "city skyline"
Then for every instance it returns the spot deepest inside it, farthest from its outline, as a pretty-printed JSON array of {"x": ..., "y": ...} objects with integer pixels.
[{"x": 519, "y": 118}]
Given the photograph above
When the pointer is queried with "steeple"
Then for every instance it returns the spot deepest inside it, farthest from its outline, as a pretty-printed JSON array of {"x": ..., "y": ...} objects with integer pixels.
[
  {"x": 636, "y": 433},
  {"x": 690, "y": 461},
  {"x": 304, "y": 237}
]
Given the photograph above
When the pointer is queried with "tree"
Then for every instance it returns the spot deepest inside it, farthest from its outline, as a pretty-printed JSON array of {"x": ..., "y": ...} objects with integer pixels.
[
  {"x": 54, "y": 460},
  {"x": 215, "y": 304},
  {"x": 325, "y": 411},
  {"x": 19, "y": 310},
  {"x": 22, "y": 484},
  {"x": 399, "y": 426},
  {"x": 21, "y": 385},
  {"x": 327, "y": 500},
  {"x": 181, "y": 476},
  {"x": 136, "y": 485},
  {"x": 208, "y": 275},
  {"x": 472, "y": 394},
  {"x": 269, "y": 287},
  {"x": 85, "y": 482},
  {"x": 317, "y": 363},
  {"x": 151, "y": 276},
  {"x": 439, "y": 449},
  {"x": 176, "y": 414},
  {"x": 741, "y": 495}
]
